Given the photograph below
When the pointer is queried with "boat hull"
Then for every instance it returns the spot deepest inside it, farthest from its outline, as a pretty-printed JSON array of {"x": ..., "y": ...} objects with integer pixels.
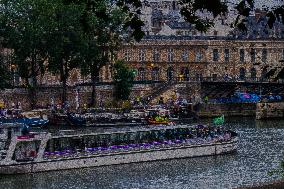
[{"x": 133, "y": 156}]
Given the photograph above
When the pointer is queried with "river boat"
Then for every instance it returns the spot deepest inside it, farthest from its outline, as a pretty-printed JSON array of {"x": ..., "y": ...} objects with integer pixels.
[
  {"x": 158, "y": 116},
  {"x": 35, "y": 118},
  {"x": 103, "y": 119},
  {"x": 57, "y": 118},
  {"x": 7, "y": 132},
  {"x": 39, "y": 152}
]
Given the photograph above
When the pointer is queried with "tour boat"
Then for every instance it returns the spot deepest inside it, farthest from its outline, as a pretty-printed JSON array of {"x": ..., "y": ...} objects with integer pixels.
[
  {"x": 158, "y": 116},
  {"x": 38, "y": 152},
  {"x": 103, "y": 119},
  {"x": 35, "y": 118}
]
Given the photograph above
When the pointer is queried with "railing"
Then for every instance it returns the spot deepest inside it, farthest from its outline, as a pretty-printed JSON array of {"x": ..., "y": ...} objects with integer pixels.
[
  {"x": 173, "y": 80},
  {"x": 226, "y": 80}
]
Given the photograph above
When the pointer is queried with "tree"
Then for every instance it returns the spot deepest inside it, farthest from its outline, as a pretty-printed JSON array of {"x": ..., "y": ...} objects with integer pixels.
[
  {"x": 5, "y": 76},
  {"x": 102, "y": 39},
  {"x": 200, "y": 13},
  {"x": 123, "y": 80},
  {"x": 23, "y": 26},
  {"x": 65, "y": 41}
]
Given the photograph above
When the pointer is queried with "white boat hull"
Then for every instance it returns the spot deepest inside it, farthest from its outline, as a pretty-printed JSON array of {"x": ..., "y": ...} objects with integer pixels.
[{"x": 133, "y": 156}]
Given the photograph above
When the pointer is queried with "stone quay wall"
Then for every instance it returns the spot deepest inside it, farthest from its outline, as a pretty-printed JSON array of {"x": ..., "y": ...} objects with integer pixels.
[
  {"x": 45, "y": 95},
  {"x": 266, "y": 110},
  {"x": 278, "y": 184},
  {"x": 233, "y": 109}
]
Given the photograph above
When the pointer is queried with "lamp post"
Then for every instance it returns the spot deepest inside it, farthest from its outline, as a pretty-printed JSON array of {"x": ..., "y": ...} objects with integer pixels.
[
  {"x": 13, "y": 67},
  {"x": 77, "y": 98}
]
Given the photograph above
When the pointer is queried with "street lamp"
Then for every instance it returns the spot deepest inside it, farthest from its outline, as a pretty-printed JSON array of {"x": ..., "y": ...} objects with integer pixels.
[{"x": 13, "y": 67}]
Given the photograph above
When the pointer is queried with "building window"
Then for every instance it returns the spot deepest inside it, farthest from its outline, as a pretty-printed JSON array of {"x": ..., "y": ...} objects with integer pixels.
[
  {"x": 156, "y": 55},
  {"x": 242, "y": 55},
  {"x": 215, "y": 55},
  {"x": 170, "y": 74},
  {"x": 155, "y": 74},
  {"x": 253, "y": 73},
  {"x": 142, "y": 54},
  {"x": 227, "y": 55},
  {"x": 170, "y": 55},
  {"x": 141, "y": 74},
  {"x": 264, "y": 55},
  {"x": 242, "y": 73},
  {"x": 184, "y": 74},
  {"x": 126, "y": 55},
  {"x": 198, "y": 56},
  {"x": 252, "y": 55},
  {"x": 184, "y": 56}
]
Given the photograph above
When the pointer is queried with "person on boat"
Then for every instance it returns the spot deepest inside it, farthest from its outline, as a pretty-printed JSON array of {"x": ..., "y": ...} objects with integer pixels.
[{"x": 25, "y": 130}]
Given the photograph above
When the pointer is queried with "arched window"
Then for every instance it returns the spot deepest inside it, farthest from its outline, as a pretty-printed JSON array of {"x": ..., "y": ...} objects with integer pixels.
[
  {"x": 155, "y": 74},
  {"x": 170, "y": 73},
  {"x": 184, "y": 72},
  {"x": 242, "y": 73},
  {"x": 253, "y": 73},
  {"x": 141, "y": 74},
  {"x": 263, "y": 73}
]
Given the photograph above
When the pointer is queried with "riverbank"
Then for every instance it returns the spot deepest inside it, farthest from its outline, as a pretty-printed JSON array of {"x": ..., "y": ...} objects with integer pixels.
[
  {"x": 226, "y": 109},
  {"x": 278, "y": 184},
  {"x": 261, "y": 110},
  {"x": 265, "y": 110}
]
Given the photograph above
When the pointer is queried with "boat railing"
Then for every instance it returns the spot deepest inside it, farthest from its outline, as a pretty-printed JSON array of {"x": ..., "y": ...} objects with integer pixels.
[{"x": 155, "y": 145}]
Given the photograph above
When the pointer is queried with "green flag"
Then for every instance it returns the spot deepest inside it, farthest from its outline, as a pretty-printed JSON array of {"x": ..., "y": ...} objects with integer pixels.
[{"x": 219, "y": 120}]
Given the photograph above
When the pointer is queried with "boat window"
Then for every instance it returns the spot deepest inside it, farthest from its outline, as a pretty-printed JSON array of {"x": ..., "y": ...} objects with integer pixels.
[{"x": 26, "y": 150}]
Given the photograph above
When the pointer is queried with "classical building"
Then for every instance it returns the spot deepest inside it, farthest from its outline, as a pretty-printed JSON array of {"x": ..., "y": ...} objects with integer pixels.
[{"x": 181, "y": 58}]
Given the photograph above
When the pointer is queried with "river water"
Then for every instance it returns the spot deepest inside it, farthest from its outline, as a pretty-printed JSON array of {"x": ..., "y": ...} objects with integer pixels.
[{"x": 260, "y": 149}]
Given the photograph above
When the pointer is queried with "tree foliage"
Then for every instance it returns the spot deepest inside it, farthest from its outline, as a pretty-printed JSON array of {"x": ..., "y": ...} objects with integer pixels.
[
  {"x": 103, "y": 35},
  {"x": 65, "y": 41},
  {"x": 23, "y": 28},
  {"x": 123, "y": 80},
  {"x": 200, "y": 13},
  {"x": 5, "y": 75}
]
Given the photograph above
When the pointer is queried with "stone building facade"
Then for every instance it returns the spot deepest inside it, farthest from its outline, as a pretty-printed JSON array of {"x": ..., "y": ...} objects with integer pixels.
[{"x": 172, "y": 58}]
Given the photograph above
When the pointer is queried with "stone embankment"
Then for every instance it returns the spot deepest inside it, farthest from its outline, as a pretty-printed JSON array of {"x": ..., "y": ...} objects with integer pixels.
[
  {"x": 279, "y": 184},
  {"x": 226, "y": 109},
  {"x": 265, "y": 110}
]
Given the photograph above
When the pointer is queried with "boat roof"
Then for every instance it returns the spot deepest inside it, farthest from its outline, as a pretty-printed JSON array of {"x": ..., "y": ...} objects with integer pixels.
[
  {"x": 10, "y": 125},
  {"x": 131, "y": 130}
]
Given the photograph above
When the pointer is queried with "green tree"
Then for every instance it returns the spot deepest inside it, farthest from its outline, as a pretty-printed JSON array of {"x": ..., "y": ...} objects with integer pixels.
[
  {"x": 102, "y": 39},
  {"x": 5, "y": 75},
  {"x": 65, "y": 41},
  {"x": 123, "y": 80},
  {"x": 190, "y": 10},
  {"x": 23, "y": 28}
]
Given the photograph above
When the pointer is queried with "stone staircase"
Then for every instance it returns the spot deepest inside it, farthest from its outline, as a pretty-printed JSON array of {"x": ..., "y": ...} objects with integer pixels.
[
  {"x": 159, "y": 90},
  {"x": 217, "y": 91},
  {"x": 276, "y": 74},
  {"x": 274, "y": 71}
]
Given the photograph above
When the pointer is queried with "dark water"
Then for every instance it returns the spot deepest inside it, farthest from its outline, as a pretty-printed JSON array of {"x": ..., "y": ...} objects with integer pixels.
[{"x": 260, "y": 149}]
